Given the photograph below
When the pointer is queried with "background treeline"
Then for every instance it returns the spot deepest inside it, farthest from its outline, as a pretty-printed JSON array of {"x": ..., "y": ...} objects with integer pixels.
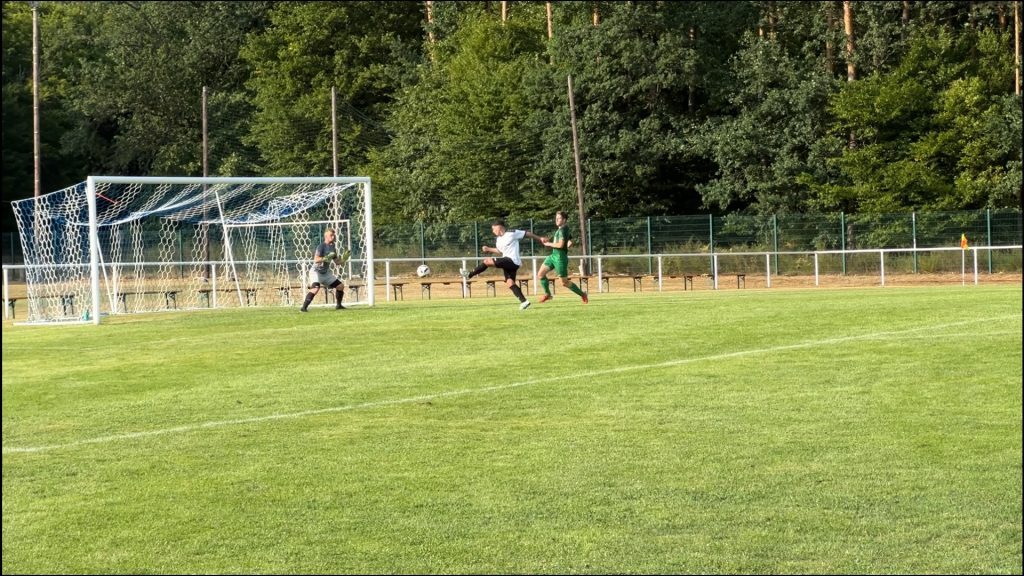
[{"x": 459, "y": 110}]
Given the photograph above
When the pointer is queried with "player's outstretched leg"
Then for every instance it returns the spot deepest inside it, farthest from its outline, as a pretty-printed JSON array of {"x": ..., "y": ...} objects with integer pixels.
[{"x": 478, "y": 270}]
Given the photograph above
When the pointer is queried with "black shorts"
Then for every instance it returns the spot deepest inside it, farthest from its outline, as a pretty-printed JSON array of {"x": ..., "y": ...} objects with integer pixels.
[{"x": 507, "y": 266}]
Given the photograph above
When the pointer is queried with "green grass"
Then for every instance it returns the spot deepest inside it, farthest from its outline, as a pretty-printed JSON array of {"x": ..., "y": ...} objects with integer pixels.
[{"x": 831, "y": 431}]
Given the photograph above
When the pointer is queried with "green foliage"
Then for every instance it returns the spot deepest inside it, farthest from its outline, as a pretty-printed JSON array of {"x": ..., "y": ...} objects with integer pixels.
[
  {"x": 937, "y": 132},
  {"x": 682, "y": 107}
]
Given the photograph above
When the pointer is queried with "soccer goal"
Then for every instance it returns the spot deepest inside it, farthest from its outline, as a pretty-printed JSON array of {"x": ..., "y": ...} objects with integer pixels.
[{"x": 117, "y": 245}]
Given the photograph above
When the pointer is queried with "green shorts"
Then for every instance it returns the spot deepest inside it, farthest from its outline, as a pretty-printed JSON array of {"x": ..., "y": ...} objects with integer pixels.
[{"x": 559, "y": 264}]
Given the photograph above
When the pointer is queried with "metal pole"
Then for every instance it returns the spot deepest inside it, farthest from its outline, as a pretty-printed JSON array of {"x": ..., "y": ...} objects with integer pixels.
[
  {"x": 988, "y": 227},
  {"x": 650, "y": 264},
  {"x": 7, "y": 293},
  {"x": 334, "y": 128},
  {"x": 714, "y": 269},
  {"x": 600, "y": 284},
  {"x": 206, "y": 174},
  {"x": 768, "y": 271},
  {"x": 775, "y": 241},
  {"x": 94, "y": 249},
  {"x": 423, "y": 245},
  {"x": 585, "y": 249},
  {"x": 881, "y": 255},
  {"x": 476, "y": 240},
  {"x": 387, "y": 280},
  {"x": 659, "y": 273},
  {"x": 913, "y": 231},
  {"x": 975, "y": 250},
  {"x": 815, "y": 268},
  {"x": 35, "y": 98},
  {"x": 842, "y": 238}
]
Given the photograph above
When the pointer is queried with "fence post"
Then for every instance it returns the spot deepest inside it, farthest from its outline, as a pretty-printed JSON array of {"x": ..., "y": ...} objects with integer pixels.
[
  {"x": 913, "y": 232},
  {"x": 988, "y": 228},
  {"x": 590, "y": 249},
  {"x": 714, "y": 268},
  {"x": 881, "y": 256},
  {"x": 775, "y": 241},
  {"x": 815, "y": 268},
  {"x": 600, "y": 287},
  {"x": 650, "y": 263},
  {"x": 768, "y": 271},
  {"x": 423, "y": 245},
  {"x": 975, "y": 250},
  {"x": 659, "y": 272},
  {"x": 181, "y": 258},
  {"x": 842, "y": 238},
  {"x": 387, "y": 280},
  {"x": 7, "y": 294},
  {"x": 476, "y": 239},
  {"x": 533, "y": 249}
]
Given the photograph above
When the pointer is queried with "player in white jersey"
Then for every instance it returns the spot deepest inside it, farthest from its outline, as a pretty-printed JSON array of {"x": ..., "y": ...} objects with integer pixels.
[{"x": 507, "y": 248}]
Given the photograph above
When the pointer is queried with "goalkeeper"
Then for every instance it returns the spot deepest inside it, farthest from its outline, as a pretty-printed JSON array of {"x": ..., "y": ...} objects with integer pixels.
[
  {"x": 558, "y": 260},
  {"x": 320, "y": 274}
]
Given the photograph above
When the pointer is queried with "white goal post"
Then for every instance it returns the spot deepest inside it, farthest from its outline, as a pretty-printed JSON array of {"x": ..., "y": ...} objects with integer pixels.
[{"x": 124, "y": 244}]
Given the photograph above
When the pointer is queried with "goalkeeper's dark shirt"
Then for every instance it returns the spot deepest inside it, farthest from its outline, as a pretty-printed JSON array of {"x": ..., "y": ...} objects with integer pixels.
[{"x": 321, "y": 250}]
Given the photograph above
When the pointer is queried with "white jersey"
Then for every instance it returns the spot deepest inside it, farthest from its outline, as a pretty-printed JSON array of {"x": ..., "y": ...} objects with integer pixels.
[{"x": 508, "y": 245}]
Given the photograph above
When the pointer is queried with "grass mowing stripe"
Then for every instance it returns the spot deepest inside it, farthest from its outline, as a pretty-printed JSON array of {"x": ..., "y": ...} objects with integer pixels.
[{"x": 667, "y": 364}]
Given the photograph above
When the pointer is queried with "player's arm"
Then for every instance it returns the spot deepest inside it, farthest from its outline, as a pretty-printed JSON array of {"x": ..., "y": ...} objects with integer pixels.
[
  {"x": 489, "y": 250},
  {"x": 558, "y": 245},
  {"x": 529, "y": 234}
]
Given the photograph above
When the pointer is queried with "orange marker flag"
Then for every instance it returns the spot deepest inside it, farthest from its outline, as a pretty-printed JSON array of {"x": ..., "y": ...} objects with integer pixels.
[{"x": 963, "y": 241}]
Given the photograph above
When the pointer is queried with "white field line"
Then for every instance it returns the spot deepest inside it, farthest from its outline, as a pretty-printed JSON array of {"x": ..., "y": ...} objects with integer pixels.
[{"x": 886, "y": 335}]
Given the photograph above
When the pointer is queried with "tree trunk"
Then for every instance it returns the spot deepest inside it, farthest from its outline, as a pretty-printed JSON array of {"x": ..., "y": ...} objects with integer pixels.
[
  {"x": 851, "y": 67},
  {"x": 550, "y": 29},
  {"x": 830, "y": 23},
  {"x": 504, "y": 11},
  {"x": 771, "y": 20},
  {"x": 1016, "y": 48},
  {"x": 430, "y": 20},
  {"x": 597, "y": 14},
  {"x": 906, "y": 12}
]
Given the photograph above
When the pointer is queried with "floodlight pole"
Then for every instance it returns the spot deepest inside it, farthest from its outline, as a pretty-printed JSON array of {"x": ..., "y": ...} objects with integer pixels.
[
  {"x": 585, "y": 248},
  {"x": 35, "y": 95}
]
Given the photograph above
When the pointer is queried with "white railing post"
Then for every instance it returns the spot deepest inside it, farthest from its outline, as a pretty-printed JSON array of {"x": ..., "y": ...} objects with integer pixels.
[
  {"x": 714, "y": 269},
  {"x": 881, "y": 255},
  {"x": 815, "y": 268},
  {"x": 463, "y": 278},
  {"x": 600, "y": 284},
  {"x": 368, "y": 243},
  {"x": 213, "y": 285},
  {"x": 768, "y": 270},
  {"x": 659, "y": 272},
  {"x": 7, "y": 293},
  {"x": 387, "y": 280},
  {"x": 533, "y": 262},
  {"x": 975, "y": 250},
  {"x": 963, "y": 267}
]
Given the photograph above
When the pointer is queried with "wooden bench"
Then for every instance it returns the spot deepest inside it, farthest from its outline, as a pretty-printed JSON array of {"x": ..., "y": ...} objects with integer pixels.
[
  {"x": 398, "y": 288},
  {"x": 426, "y": 284}
]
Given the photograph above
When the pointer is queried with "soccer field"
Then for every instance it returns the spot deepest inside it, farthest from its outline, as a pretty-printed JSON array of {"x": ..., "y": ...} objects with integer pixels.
[{"x": 830, "y": 431}]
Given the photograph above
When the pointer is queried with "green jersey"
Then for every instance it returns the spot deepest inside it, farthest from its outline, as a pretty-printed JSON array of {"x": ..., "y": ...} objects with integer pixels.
[{"x": 561, "y": 234}]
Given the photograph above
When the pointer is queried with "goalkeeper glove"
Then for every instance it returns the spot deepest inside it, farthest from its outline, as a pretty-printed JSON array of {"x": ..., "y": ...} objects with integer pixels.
[
  {"x": 345, "y": 255},
  {"x": 329, "y": 256}
]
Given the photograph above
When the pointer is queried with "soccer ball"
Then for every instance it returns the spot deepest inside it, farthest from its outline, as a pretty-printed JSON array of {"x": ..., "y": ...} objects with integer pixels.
[{"x": 423, "y": 270}]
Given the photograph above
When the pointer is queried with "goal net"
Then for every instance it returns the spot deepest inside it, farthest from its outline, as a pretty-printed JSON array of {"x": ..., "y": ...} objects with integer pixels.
[{"x": 116, "y": 245}]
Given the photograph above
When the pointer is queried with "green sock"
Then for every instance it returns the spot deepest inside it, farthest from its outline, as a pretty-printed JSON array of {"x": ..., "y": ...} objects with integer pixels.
[
  {"x": 547, "y": 285},
  {"x": 576, "y": 289}
]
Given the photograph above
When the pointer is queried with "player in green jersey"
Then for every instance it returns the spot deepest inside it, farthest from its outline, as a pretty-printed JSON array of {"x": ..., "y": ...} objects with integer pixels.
[{"x": 559, "y": 259}]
